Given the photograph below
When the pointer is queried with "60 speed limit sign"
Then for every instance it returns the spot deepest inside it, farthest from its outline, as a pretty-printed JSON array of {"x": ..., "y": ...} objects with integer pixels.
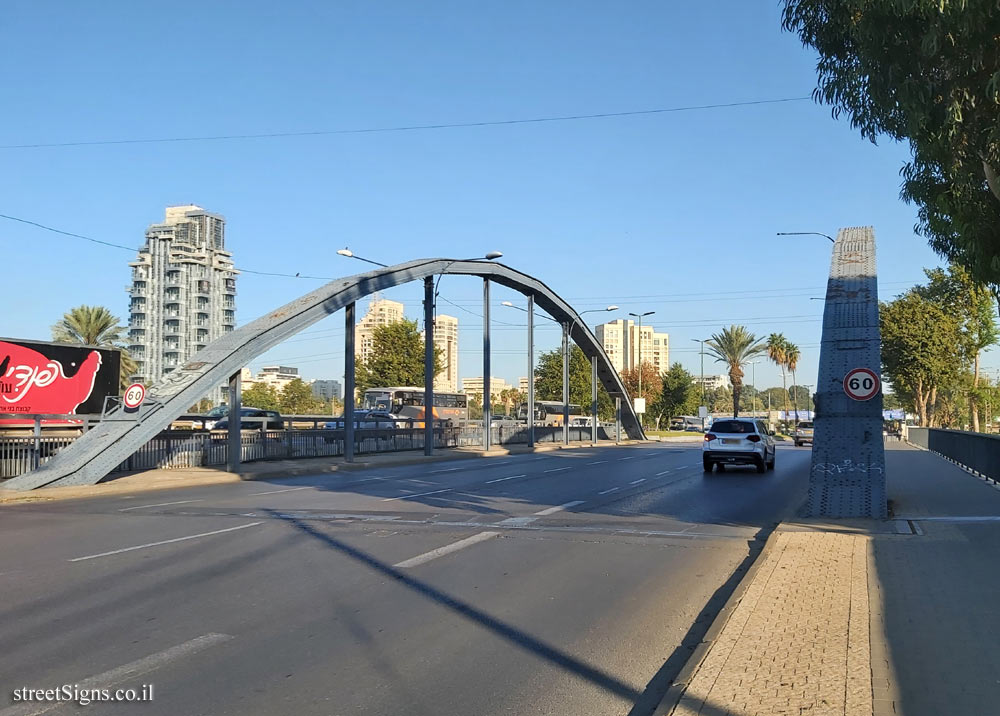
[
  {"x": 134, "y": 395},
  {"x": 861, "y": 384}
]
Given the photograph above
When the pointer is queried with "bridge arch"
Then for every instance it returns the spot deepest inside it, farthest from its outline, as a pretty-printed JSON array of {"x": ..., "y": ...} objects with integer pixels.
[{"x": 100, "y": 450}]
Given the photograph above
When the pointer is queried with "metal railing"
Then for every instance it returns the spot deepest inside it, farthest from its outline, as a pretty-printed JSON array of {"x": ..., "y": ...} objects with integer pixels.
[
  {"x": 200, "y": 447},
  {"x": 976, "y": 451}
]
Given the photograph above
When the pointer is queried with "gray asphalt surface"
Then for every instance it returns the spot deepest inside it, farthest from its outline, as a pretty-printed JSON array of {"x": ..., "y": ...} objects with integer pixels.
[{"x": 571, "y": 582}]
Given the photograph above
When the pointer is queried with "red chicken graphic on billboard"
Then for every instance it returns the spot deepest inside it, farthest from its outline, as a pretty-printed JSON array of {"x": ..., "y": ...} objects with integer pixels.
[{"x": 31, "y": 382}]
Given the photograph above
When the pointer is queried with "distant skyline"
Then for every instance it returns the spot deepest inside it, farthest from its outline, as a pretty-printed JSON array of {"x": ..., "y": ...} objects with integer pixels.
[{"x": 671, "y": 212}]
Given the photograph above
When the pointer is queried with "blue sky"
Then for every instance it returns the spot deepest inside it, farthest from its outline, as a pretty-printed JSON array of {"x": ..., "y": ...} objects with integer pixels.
[{"x": 675, "y": 213}]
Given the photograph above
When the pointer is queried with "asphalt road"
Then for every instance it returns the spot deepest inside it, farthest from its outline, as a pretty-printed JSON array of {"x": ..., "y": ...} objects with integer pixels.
[{"x": 570, "y": 582}]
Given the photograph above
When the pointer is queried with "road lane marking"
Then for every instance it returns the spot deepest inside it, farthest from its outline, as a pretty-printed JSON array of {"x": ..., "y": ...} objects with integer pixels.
[
  {"x": 557, "y": 469},
  {"x": 275, "y": 492},
  {"x": 627, "y": 458},
  {"x": 607, "y": 492},
  {"x": 159, "y": 504},
  {"x": 597, "y": 462},
  {"x": 417, "y": 494},
  {"x": 123, "y": 673},
  {"x": 450, "y": 469},
  {"x": 661, "y": 474},
  {"x": 559, "y": 508},
  {"x": 636, "y": 482},
  {"x": 166, "y": 541},
  {"x": 501, "y": 479},
  {"x": 447, "y": 549},
  {"x": 516, "y": 521}
]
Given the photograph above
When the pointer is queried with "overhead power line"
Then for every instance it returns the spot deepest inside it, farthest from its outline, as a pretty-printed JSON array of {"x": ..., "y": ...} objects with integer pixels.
[{"x": 406, "y": 128}]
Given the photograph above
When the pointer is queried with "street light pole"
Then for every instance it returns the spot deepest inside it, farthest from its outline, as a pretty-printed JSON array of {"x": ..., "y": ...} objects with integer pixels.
[
  {"x": 639, "y": 352},
  {"x": 806, "y": 233}
]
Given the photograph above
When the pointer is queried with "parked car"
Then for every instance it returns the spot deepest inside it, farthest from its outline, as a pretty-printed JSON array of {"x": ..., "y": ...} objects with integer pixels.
[
  {"x": 803, "y": 433},
  {"x": 274, "y": 420},
  {"x": 215, "y": 415},
  {"x": 738, "y": 441},
  {"x": 692, "y": 428}
]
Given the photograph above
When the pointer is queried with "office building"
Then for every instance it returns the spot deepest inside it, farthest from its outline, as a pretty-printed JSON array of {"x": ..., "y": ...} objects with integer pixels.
[
  {"x": 183, "y": 291},
  {"x": 381, "y": 312},
  {"x": 446, "y": 341},
  {"x": 621, "y": 341},
  {"x": 474, "y": 386},
  {"x": 327, "y": 389},
  {"x": 522, "y": 384}
]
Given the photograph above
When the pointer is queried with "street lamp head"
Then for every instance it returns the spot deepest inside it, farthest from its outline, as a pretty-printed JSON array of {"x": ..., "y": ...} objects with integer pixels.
[
  {"x": 507, "y": 303},
  {"x": 345, "y": 252},
  {"x": 493, "y": 255},
  {"x": 611, "y": 308}
]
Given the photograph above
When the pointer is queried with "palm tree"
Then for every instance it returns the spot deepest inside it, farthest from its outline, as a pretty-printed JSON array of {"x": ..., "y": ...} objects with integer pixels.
[
  {"x": 95, "y": 326},
  {"x": 777, "y": 351},
  {"x": 792, "y": 361},
  {"x": 735, "y": 346}
]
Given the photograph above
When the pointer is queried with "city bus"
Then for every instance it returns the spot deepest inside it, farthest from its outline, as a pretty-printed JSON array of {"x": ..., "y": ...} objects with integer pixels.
[
  {"x": 407, "y": 403},
  {"x": 548, "y": 412}
]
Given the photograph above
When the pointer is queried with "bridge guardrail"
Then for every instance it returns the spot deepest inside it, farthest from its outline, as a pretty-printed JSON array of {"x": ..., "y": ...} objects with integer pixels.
[{"x": 977, "y": 452}]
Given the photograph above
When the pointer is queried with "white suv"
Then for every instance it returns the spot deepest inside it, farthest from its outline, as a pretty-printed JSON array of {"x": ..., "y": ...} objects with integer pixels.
[{"x": 738, "y": 441}]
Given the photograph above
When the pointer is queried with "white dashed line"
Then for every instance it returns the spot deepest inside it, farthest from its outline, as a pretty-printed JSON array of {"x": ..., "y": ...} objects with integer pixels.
[
  {"x": 661, "y": 474},
  {"x": 597, "y": 462},
  {"x": 158, "y": 504},
  {"x": 608, "y": 492},
  {"x": 557, "y": 469},
  {"x": 627, "y": 458},
  {"x": 636, "y": 482},
  {"x": 417, "y": 494},
  {"x": 501, "y": 479},
  {"x": 450, "y": 469},
  {"x": 447, "y": 549},
  {"x": 166, "y": 541},
  {"x": 275, "y": 492},
  {"x": 559, "y": 508}
]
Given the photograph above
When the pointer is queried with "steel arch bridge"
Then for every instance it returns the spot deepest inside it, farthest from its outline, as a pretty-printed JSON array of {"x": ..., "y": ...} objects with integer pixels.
[{"x": 97, "y": 452}]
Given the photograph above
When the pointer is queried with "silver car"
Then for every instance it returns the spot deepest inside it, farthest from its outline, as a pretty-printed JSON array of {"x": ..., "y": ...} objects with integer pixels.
[{"x": 738, "y": 441}]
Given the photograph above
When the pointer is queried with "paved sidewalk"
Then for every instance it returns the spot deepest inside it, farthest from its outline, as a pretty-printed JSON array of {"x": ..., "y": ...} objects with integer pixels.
[
  {"x": 864, "y": 616},
  {"x": 797, "y": 642}
]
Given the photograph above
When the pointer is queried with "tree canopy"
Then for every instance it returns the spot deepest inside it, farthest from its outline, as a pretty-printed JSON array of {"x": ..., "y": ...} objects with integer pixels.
[
  {"x": 96, "y": 326},
  {"x": 924, "y": 71},
  {"x": 735, "y": 346},
  {"x": 548, "y": 382},
  {"x": 396, "y": 358},
  {"x": 679, "y": 394}
]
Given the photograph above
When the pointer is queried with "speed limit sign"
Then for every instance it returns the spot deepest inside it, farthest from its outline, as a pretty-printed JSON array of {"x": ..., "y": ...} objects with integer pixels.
[
  {"x": 134, "y": 395},
  {"x": 861, "y": 384}
]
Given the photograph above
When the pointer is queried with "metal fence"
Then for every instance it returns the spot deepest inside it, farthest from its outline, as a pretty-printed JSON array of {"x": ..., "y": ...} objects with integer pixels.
[
  {"x": 176, "y": 449},
  {"x": 976, "y": 451}
]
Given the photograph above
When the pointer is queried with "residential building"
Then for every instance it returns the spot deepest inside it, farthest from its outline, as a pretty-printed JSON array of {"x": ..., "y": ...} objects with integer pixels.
[
  {"x": 522, "y": 384},
  {"x": 327, "y": 389},
  {"x": 276, "y": 376},
  {"x": 381, "y": 312},
  {"x": 474, "y": 386},
  {"x": 183, "y": 291},
  {"x": 622, "y": 340},
  {"x": 714, "y": 382},
  {"x": 446, "y": 341}
]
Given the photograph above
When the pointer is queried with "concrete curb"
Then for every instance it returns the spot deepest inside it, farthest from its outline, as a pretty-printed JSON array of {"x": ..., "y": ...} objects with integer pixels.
[
  {"x": 197, "y": 477},
  {"x": 694, "y": 662}
]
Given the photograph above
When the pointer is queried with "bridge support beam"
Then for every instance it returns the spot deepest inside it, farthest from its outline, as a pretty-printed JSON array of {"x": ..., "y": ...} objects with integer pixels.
[
  {"x": 531, "y": 371},
  {"x": 233, "y": 443},
  {"x": 847, "y": 474},
  {"x": 429, "y": 365},
  {"x": 487, "y": 418},
  {"x": 565, "y": 387},
  {"x": 349, "y": 382}
]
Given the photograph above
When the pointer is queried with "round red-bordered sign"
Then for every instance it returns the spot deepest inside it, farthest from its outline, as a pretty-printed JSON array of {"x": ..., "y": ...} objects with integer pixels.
[
  {"x": 861, "y": 384},
  {"x": 134, "y": 395}
]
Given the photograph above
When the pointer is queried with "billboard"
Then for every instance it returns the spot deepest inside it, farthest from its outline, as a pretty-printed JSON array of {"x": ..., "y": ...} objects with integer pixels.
[{"x": 63, "y": 378}]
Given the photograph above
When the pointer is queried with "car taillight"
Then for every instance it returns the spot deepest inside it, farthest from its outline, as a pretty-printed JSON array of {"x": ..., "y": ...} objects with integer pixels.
[
  {"x": 709, "y": 437},
  {"x": 753, "y": 438}
]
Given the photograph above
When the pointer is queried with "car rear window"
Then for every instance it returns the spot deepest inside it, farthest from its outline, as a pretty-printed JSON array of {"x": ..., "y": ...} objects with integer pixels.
[
  {"x": 732, "y": 426},
  {"x": 805, "y": 425}
]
